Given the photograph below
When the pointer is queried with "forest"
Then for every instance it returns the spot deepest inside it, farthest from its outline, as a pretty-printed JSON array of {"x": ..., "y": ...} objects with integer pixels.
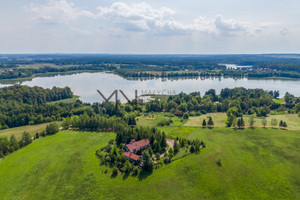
[{"x": 264, "y": 66}]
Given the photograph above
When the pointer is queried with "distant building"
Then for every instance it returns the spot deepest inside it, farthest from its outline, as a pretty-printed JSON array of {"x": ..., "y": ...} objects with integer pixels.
[
  {"x": 11, "y": 70},
  {"x": 216, "y": 102},
  {"x": 178, "y": 113}
]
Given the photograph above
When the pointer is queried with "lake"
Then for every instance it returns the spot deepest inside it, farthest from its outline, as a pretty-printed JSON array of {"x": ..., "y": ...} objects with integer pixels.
[
  {"x": 86, "y": 84},
  {"x": 234, "y": 66}
]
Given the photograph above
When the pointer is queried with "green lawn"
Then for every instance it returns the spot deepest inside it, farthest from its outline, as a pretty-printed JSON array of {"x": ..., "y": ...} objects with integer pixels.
[{"x": 256, "y": 164}]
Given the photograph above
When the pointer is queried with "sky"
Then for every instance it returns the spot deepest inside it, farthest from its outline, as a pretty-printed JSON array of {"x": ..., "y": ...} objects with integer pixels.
[{"x": 150, "y": 26}]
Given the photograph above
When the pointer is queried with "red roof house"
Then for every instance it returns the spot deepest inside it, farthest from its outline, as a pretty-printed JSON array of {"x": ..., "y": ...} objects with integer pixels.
[
  {"x": 131, "y": 156},
  {"x": 134, "y": 146},
  {"x": 178, "y": 113}
]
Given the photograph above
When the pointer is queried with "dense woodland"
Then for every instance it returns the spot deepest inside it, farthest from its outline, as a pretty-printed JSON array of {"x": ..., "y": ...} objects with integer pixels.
[
  {"x": 264, "y": 66},
  {"x": 244, "y": 101},
  {"x": 23, "y": 105}
]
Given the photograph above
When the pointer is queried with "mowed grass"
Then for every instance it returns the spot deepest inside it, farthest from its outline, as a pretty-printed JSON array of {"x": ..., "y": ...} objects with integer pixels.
[
  {"x": 292, "y": 120},
  {"x": 155, "y": 118},
  {"x": 18, "y": 131},
  {"x": 255, "y": 164},
  {"x": 218, "y": 118}
]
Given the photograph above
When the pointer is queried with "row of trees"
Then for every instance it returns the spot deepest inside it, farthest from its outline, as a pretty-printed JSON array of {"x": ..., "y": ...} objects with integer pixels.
[{"x": 240, "y": 123}]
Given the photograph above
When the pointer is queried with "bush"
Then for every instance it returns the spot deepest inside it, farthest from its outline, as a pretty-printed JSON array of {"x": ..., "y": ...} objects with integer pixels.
[
  {"x": 167, "y": 160},
  {"x": 185, "y": 116},
  {"x": 164, "y": 122},
  {"x": 115, "y": 171},
  {"x": 52, "y": 128},
  {"x": 135, "y": 170}
]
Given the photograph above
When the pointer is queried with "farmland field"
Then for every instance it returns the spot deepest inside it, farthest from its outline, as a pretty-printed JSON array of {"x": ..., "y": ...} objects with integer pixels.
[{"x": 255, "y": 164}]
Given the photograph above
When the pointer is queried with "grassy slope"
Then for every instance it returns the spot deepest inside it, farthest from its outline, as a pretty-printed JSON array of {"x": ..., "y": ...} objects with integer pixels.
[
  {"x": 256, "y": 164},
  {"x": 60, "y": 166}
]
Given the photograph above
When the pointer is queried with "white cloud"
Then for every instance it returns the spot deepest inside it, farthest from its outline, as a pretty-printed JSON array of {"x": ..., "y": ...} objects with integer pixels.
[
  {"x": 230, "y": 26},
  {"x": 58, "y": 11},
  {"x": 141, "y": 17}
]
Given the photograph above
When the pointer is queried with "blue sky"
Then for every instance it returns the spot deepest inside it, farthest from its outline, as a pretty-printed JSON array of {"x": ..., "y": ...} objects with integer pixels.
[{"x": 165, "y": 26}]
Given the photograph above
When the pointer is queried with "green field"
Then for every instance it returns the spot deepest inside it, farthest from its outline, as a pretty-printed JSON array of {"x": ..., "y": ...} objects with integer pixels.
[
  {"x": 69, "y": 100},
  {"x": 279, "y": 100},
  {"x": 153, "y": 119},
  {"x": 292, "y": 120},
  {"x": 255, "y": 164}
]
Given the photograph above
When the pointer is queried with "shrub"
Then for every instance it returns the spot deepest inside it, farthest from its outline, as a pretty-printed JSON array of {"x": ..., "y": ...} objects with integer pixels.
[
  {"x": 115, "y": 171},
  {"x": 52, "y": 128},
  {"x": 164, "y": 122}
]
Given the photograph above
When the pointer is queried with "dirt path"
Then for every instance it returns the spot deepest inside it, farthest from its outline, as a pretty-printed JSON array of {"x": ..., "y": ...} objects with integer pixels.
[{"x": 170, "y": 142}]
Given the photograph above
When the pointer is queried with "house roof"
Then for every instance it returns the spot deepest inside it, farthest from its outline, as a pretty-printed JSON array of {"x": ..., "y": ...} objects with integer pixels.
[
  {"x": 178, "y": 112},
  {"x": 136, "y": 145},
  {"x": 216, "y": 102},
  {"x": 131, "y": 156}
]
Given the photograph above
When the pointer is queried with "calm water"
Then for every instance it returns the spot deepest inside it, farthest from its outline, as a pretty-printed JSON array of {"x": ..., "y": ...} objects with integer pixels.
[
  {"x": 234, "y": 66},
  {"x": 86, "y": 84}
]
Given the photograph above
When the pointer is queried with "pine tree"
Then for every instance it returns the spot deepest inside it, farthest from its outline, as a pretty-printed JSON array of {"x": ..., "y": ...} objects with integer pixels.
[
  {"x": 163, "y": 143},
  {"x": 176, "y": 147},
  {"x": 210, "y": 122},
  {"x": 204, "y": 123},
  {"x": 242, "y": 122},
  {"x": 281, "y": 123},
  {"x": 192, "y": 149}
]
